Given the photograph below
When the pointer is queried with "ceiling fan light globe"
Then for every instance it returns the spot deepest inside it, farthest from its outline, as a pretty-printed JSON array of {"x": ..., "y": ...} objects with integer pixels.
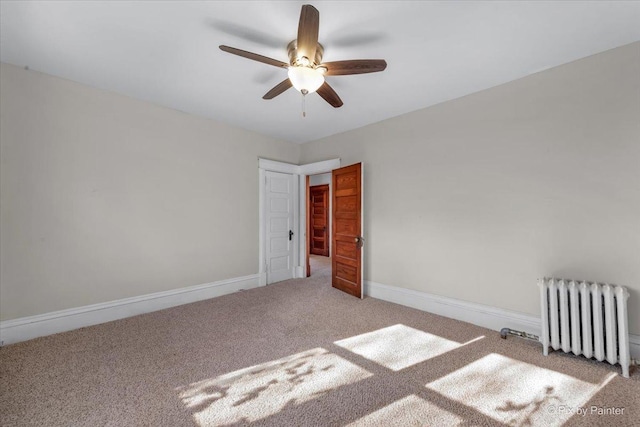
[{"x": 305, "y": 79}]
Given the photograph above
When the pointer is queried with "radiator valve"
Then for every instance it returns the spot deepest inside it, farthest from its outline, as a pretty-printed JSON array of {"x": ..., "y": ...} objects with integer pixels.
[{"x": 506, "y": 331}]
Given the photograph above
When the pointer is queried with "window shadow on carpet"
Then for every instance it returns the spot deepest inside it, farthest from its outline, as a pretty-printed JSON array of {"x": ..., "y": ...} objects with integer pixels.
[{"x": 341, "y": 387}]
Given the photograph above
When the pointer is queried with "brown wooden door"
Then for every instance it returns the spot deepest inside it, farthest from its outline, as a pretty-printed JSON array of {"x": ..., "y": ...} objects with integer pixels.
[
  {"x": 308, "y": 219},
  {"x": 346, "y": 273},
  {"x": 319, "y": 220}
]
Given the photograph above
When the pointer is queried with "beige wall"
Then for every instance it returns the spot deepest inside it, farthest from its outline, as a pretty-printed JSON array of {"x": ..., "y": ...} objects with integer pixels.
[
  {"x": 105, "y": 197},
  {"x": 478, "y": 197}
]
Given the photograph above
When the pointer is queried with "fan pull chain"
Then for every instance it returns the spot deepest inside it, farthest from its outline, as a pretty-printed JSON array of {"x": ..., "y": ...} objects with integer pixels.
[{"x": 304, "y": 105}]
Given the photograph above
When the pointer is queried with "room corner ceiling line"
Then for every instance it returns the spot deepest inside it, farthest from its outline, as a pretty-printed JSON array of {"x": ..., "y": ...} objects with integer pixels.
[{"x": 499, "y": 43}]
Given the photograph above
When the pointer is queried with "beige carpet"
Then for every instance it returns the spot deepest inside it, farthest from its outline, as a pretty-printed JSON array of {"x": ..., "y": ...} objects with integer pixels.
[{"x": 300, "y": 353}]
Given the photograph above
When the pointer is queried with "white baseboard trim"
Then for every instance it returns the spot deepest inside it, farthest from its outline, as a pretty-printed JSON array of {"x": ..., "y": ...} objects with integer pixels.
[
  {"x": 26, "y": 328},
  {"x": 478, "y": 314}
]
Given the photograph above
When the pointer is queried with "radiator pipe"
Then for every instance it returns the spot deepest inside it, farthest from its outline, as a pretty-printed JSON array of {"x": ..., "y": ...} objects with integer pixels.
[{"x": 507, "y": 331}]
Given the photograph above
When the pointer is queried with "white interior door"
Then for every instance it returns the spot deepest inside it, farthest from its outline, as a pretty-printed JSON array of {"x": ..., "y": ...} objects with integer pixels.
[{"x": 279, "y": 226}]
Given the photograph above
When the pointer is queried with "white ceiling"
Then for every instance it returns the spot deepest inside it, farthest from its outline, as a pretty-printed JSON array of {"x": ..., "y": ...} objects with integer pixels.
[{"x": 167, "y": 52}]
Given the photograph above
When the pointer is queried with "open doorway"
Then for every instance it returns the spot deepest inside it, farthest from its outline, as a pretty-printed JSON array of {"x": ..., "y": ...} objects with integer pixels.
[
  {"x": 296, "y": 240},
  {"x": 319, "y": 224},
  {"x": 345, "y": 224}
]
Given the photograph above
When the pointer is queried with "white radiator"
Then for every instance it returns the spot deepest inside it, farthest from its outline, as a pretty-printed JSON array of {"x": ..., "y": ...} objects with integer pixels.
[{"x": 587, "y": 319}]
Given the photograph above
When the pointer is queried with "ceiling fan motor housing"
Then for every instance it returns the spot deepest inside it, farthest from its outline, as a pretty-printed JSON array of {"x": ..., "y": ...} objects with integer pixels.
[{"x": 295, "y": 60}]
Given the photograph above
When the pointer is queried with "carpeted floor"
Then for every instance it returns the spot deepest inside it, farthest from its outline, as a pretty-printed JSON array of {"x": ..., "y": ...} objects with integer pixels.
[{"x": 300, "y": 353}]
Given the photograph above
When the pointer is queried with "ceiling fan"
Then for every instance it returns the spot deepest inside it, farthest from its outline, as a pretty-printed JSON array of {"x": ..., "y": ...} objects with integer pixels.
[{"x": 306, "y": 70}]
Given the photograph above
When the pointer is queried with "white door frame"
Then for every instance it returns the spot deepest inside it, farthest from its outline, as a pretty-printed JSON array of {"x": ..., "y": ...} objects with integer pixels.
[{"x": 299, "y": 173}]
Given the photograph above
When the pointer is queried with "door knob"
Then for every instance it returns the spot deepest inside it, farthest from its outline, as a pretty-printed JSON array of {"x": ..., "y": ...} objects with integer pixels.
[
  {"x": 290, "y": 234},
  {"x": 359, "y": 241}
]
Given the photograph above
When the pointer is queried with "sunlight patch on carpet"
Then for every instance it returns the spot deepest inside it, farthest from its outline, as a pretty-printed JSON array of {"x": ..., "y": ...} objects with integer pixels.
[
  {"x": 397, "y": 347},
  {"x": 257, "y": 392},
  {"x": 516, "y": 393},
  {"x": 409, "y": 411}
]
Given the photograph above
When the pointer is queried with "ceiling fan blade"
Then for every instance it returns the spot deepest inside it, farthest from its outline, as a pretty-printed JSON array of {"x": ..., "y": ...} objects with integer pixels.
[
  {"x": 308, "y": 32},
  {"x": 278, "y": 89},
  {"x": 328, "y": 94},
  {"x": 254, "y": 56},
  {"x": 354, "y": 66}
]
